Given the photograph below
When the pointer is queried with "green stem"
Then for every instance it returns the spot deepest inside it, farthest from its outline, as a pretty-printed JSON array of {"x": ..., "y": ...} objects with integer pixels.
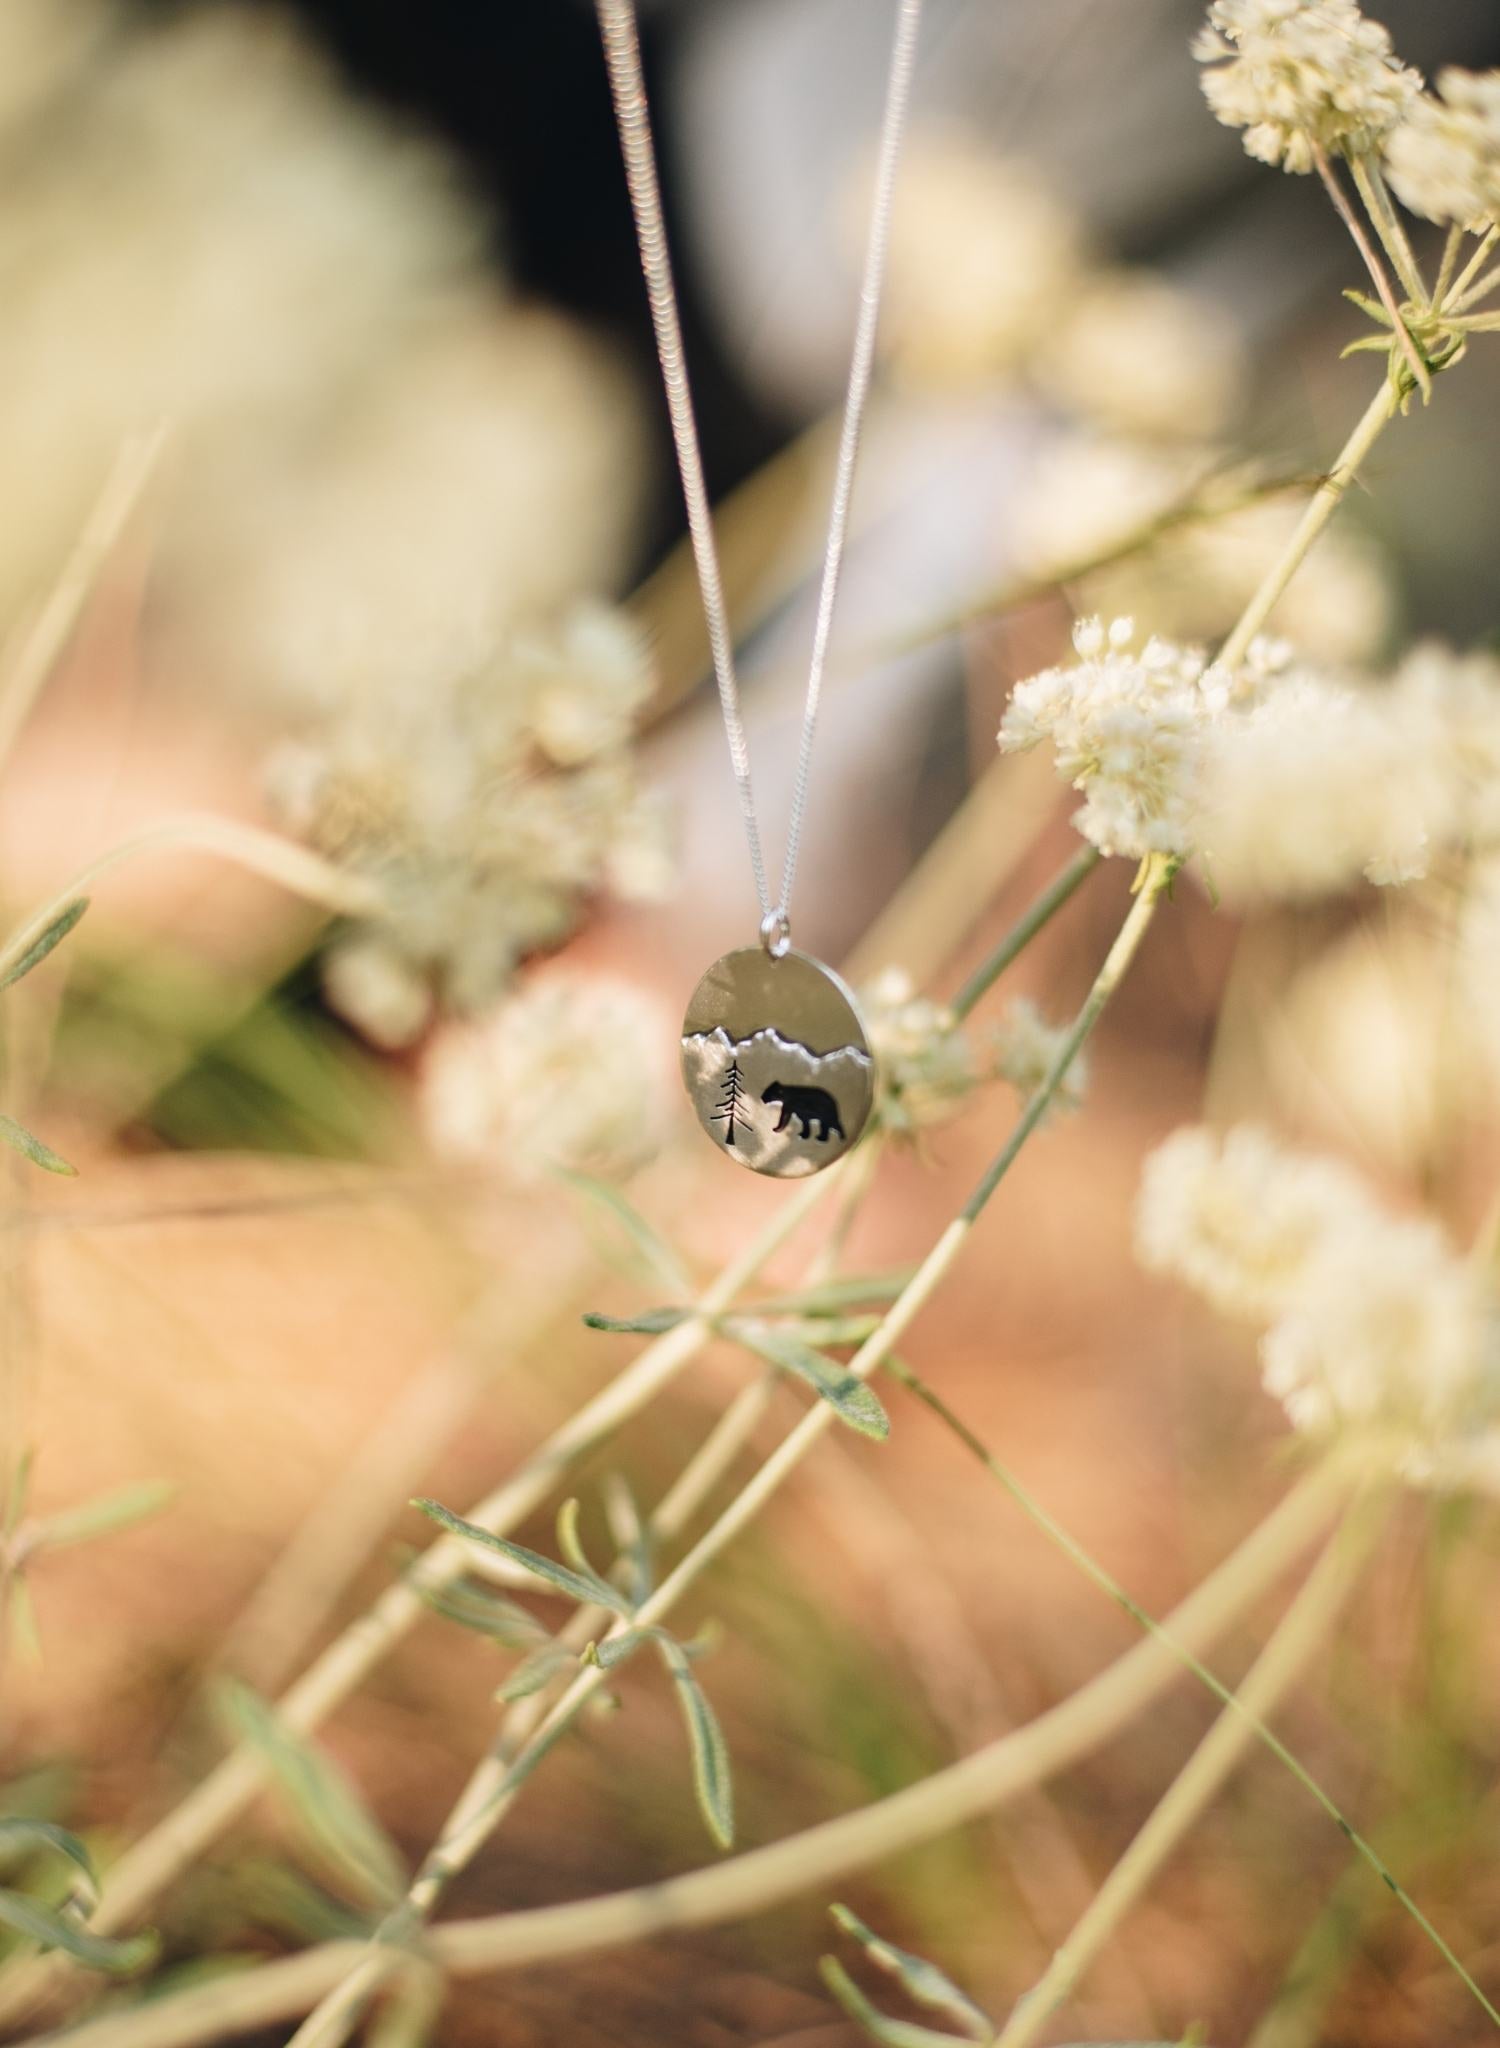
[
  {"x": 1025, "y": 929},
  {"x": 1376, "y": 269},
  {"x": 246, "y": 846},
  {"x": 1092, "y": 1569},
  {"x": 1471, "y": 269},
  {"x": 1446, "y": 268},
  {"x": 1373, "y": 190},
  {"x": 1299, "y": 1633},
  {"x": 1321, "y": 507},
  {"x": 1480, "y": 289}
]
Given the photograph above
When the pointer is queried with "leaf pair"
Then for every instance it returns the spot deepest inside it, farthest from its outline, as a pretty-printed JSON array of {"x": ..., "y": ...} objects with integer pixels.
[
  {"x": 579, "y": 1581},
  {"x": 63, "y": 1924}
]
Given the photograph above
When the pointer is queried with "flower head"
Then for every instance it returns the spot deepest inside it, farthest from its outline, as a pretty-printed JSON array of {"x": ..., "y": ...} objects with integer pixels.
[
  {"x": 1444, "y": 158},
  {"x": 1303, "y": 75},
  {"x": 1126, "y": 725},
  {"x": 564, "y": 1074},
  {"x": 925, "y": 1063},
  {"x": 486, "y": 813},
  {"x": 1372, "y": 1326},
  {"x": 1024, "y": 1048}
]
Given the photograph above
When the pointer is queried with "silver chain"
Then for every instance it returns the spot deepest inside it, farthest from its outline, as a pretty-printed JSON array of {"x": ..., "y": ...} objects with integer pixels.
[{"x": 622, "y": 51}]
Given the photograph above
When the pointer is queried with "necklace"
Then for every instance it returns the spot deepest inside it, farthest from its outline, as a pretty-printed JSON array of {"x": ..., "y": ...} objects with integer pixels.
[{"x": 774, "y": 1055}]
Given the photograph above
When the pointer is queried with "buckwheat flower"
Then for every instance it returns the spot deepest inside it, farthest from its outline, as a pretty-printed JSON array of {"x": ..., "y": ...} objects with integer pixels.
[
  {"x": 981, "y": 253},
  {"x": 1024, "y": 1046},
  {"x": 1389, "y": 1335},
  {"x": 1239, "y": 1219},
  {"x": 1450, "y": 706},
  {"x": 1303, "y": 75},
  {"x": 566, "y": 1073},
  {"x": 488, "y": 811},
  {"x": 1126, "y": 725},
  {"x": 1374, "y": 1329},
  {"x": 924, "y": 1063},
  {"x": 1444, "y": 158},
  {"x": 1316, "y": 786}
]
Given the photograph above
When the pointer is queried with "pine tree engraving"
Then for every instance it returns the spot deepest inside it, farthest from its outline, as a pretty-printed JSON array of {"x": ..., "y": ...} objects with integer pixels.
[{"x": 728, "y": 1111}]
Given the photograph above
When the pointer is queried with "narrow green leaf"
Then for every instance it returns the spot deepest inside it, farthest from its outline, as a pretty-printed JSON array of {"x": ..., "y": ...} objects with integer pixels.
[
  {"x": 615, "y": 1649},
  {"x": 635, "y": 1555},
  {"x": 570, "y": 1543},
  {"x": 39, "y": 948},
  {"x": 488, "y": 1614},
  {"x": 1369, "y": 344},
  {"x": 830, "y": 1297},
  {"x": 1368, "y": 305},
  {"x": 652, "y": 1322},
  {"x": 659, "y": 1256},
  {"x": 31, "y": 1147},
  {"x": 888, "y": 2032},
  {"x": 21, "y": 1838},
  {"x": 583, "y": 1590},
  {"x": 24, "y": 1633},
  {"x": 106, "y": 1516},
  {"x": 61, "y": 1928},
  {"x": 334, "y": 1818},
  {"x": 850, "y": 1398},
  {"x": 711, "y": 1769},
  {"x": 824, "y": 1332},
  {"x": 533, "y": 1672},
  {"x": 923, "y": 1982}
]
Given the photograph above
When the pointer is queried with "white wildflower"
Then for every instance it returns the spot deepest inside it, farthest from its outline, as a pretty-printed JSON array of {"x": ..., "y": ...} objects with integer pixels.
[
  {"x": 1315, "y": 786},
  {"x": 483, "y": 844},
  {"x": 1024, "y": 1048},
  {"x": 1127, "y": 728},
  {"x": 1239, "y": 1219},
  {"x": 1372, "y": 1325},
  {"x": 1303, "y": 75},
  {"x": 981, "y": 254},
  {"x": 1449, "y": 704},
  {"x": 1141, "y": 355},
  {"x": 565, "y": 1074},
  {"x": 1388, "y": 1334},
  {"x": 923, "y": 1059},
  {"x": 1444, "y": 158}
]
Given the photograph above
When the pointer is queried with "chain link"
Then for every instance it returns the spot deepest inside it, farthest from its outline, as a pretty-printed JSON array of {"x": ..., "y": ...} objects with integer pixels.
[{"x": 622, "y": 51}]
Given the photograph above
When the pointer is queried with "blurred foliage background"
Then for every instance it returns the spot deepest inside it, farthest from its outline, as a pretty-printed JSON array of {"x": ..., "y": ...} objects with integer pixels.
[{"x": 406, "y": 580}]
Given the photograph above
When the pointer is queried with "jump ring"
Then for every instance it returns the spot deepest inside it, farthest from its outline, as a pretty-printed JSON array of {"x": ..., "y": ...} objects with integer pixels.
[{"x": 776, "y": 933}]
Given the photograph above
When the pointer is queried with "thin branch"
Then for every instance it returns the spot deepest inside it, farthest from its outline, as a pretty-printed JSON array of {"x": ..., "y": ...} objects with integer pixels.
[
  {"x": 1376, "y": 269},
  {"x": 1025, "y": 929}
]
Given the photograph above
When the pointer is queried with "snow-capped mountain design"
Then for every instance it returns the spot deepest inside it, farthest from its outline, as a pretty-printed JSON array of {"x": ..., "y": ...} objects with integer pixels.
[{"x": 818, "y": 1101}]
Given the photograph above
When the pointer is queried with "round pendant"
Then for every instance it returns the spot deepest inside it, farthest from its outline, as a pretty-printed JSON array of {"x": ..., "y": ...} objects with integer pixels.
[{"x": 776, "y": 1061}]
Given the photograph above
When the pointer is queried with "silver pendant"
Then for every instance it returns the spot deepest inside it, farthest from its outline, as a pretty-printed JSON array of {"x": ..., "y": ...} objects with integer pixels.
[{"x": 776, "y": 1061}]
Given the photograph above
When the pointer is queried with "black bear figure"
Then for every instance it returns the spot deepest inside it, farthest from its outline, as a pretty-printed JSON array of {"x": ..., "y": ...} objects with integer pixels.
[{"x": 811, "y": 1106}]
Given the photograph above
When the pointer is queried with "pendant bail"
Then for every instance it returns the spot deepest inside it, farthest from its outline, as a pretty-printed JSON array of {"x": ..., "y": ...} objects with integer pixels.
[{"x": 776, "y": 933}]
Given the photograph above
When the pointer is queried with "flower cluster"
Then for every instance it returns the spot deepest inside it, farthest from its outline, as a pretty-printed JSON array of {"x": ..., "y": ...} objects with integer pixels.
[
  {"x": 924, "y": 1061},
  {"x": 1444, "y": 159},
  {"x": 1126, "y": 725},
  {"x": 565, "y": 1074},
  {"x": 1024, "y": 1048},
  {"x": 1286, "y": 782},
  {"x": 486, "y": 813},
  {"x": 1370, "y": 1323},
  {"x": 1301, "y": 76}
]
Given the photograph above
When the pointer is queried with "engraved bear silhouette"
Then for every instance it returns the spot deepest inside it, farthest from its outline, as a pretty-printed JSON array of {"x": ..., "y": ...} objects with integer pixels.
[{"x": 811, "y": 1106}]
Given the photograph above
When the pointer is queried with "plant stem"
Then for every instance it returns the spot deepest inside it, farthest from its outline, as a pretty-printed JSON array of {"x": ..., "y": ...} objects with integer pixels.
[
  {"x": 1324, "y": 502},
  {"x": 246, "y": 846},
  {"x": 762, "y": 1878},
  {"x": 491, "y": 1792},
  {"x": 1373, "y": 190},
  {"x": 1092, "y": 1569},
  {"x": 41, "y": 647},
  {"x": 1025, "y": 929},
  {"x": 1451, "y": 248},
  {"x": 1376, "y": 269},
  {"x": 1489, "y": 241},
  {"x": 1298, "y": 1634},
  {"x": 1480, "y": 289},
  {"x": 151, "y": 1863}
]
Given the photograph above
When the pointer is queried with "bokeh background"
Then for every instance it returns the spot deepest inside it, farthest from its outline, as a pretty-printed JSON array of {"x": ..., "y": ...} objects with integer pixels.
[{"x": 371, "y": 268}]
